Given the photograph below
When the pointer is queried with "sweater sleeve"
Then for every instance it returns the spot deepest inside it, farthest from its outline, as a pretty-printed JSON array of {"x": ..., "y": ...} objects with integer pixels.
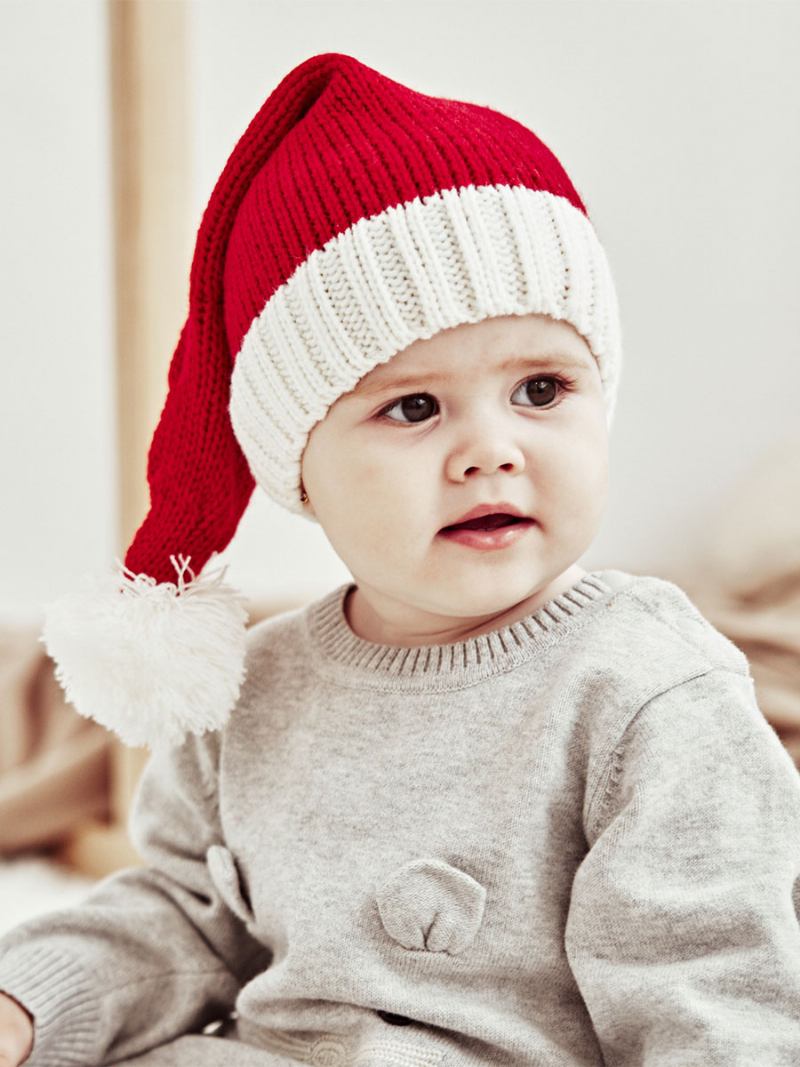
[
  {"x": 150, "y": 953},
  {"x": 683, "y": 931}
]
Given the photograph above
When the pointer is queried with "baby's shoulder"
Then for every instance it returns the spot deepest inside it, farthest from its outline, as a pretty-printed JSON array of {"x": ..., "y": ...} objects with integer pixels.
[
  {"x": 657, "y": 614},
  {"x": 650, "y": 636},
  {"x": 646, "y": 638},
  {"x": 276, "y": 638}
]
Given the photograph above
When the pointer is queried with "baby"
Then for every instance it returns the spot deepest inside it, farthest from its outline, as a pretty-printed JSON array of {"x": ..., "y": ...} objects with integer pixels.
[{"x": 477, "y": 806}]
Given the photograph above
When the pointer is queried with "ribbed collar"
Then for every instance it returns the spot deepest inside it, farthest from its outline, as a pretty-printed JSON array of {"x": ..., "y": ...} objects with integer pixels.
[{"x": 338, "y": 652}]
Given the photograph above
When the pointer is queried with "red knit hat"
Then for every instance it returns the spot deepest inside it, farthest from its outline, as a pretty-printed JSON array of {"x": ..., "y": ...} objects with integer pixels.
[{"x": 353, "y": 217}]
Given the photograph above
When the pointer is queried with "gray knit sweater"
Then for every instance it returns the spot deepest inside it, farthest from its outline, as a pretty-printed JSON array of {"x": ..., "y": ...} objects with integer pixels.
[{"x": 571, "y": 841}]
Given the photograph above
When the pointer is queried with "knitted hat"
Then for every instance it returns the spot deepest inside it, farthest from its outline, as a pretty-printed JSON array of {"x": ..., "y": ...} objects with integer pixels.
[{"x": 353, "y": 217}]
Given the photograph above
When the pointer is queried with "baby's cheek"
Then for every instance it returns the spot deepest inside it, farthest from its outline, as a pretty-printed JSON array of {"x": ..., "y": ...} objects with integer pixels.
[
  {"x": 371, "y": 472},
  {"x": 593, "y": 493},
  {"x": 366, "y": 502},
  {"x": 379, "y": 483}
]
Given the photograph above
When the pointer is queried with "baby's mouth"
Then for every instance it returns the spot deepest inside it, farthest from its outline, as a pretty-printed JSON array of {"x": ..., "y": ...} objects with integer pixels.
[{"x": 486, "y": 522}]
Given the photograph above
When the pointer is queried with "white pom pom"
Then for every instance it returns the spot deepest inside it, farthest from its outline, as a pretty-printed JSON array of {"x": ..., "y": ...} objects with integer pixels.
[{"x": 150, "y": 661}]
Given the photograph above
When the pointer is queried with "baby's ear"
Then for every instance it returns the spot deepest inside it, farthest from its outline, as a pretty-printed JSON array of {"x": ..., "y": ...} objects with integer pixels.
[{"x": 308, "y": 507}]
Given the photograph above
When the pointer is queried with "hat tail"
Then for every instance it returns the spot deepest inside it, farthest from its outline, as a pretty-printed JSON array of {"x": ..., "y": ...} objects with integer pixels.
[{"x": 149, "y": 658}]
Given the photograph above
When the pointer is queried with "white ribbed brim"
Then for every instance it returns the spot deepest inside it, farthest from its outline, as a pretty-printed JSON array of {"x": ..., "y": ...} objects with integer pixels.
[{"x": 457, "y": 256}]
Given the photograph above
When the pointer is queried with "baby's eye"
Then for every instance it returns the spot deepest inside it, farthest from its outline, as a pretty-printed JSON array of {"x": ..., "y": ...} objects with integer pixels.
[
  {"x": 540, "y": 392},
  {"x": 543, "y": 388},
  {"x": 416, "y": 408}
]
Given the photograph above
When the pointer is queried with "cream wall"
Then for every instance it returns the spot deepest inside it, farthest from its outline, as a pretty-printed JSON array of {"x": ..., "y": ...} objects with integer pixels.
[
  {"x": 58, "y": 445},
  {"x": 678, "y": 123}
]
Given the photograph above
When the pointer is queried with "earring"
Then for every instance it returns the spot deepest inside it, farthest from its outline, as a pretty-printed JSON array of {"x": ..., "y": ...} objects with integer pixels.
[{"x": 303, "y": 495}]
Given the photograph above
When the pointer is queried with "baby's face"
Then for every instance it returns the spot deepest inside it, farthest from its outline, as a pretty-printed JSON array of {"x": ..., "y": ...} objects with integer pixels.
[{"x": 392, "y": 463}]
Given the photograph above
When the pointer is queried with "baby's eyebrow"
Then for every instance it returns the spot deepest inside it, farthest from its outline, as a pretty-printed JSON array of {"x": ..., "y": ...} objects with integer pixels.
[{"x": 543, "y": 359}]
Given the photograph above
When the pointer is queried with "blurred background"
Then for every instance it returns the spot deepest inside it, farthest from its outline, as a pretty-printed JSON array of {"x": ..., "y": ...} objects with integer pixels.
[{"x": 679, "y": 124}]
